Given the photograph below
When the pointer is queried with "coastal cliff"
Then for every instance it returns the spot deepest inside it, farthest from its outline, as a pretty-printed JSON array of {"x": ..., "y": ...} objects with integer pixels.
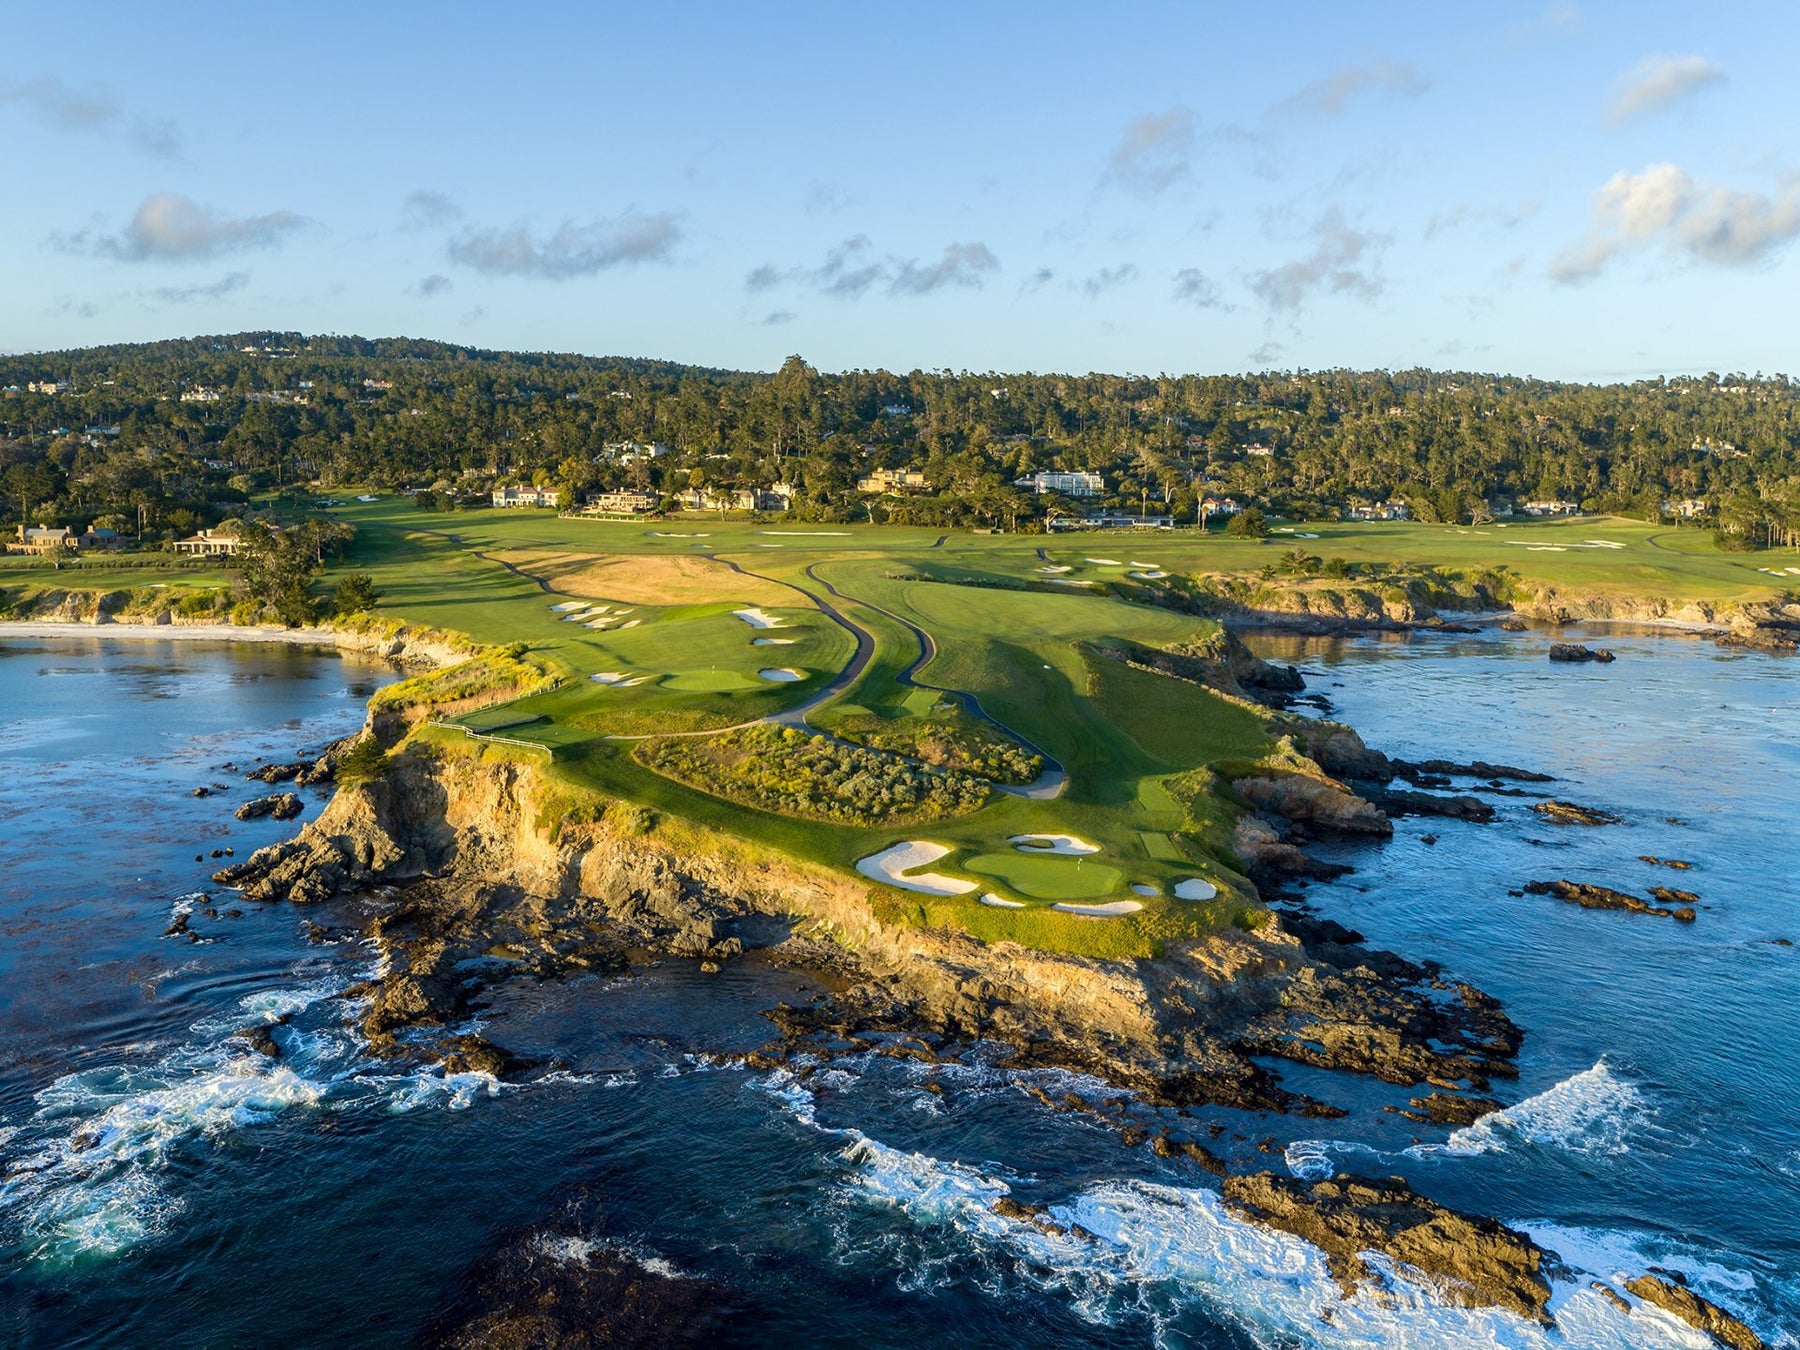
[{"x": 491, "y": 862}]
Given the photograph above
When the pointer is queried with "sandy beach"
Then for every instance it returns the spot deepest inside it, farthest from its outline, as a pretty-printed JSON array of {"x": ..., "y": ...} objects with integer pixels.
[{"x": 168, "y": 632}]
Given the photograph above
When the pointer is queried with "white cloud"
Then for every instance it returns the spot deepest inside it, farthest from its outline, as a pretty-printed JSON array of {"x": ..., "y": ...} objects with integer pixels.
[
  {"x": 1657, "y": 82},
  {"x": 213, "y": 290},
  {"x": 851, "y": 270},
  {"x": 1343, "y": 261},
  {"x": 1155, "y": 152},
  {"x": 1663, "y": 206},
  {"x": 573, "y": 250},
  {"x": 168, "y": 227},
  {"x": 1329, "y": 96}
]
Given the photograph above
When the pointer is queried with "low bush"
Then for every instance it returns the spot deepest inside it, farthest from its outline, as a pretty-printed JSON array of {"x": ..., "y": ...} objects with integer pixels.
[{"x": 788, "y": 772}]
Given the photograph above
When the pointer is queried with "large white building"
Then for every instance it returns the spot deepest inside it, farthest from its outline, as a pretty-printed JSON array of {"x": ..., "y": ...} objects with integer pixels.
[
  {"x": 526, "y": 496},
  {"x": 1068, "y": 484}
]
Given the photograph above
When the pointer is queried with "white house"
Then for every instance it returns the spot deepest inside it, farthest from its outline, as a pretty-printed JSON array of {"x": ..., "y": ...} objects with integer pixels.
[
  {"x": 627, "y": 503},
  {"x": 1068, "y": 484},
  {"x": 1551, "y": 508},
  {"x": 630, "y": 452},
  {"x": 526, "y": 496}
]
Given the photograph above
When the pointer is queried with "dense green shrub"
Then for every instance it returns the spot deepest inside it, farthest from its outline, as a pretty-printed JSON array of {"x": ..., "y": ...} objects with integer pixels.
[{"x": 789, "y": 772}]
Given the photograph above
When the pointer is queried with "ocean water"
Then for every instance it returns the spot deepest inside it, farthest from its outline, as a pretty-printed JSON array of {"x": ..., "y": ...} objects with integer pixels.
[{"x": 161, "y": 1184}]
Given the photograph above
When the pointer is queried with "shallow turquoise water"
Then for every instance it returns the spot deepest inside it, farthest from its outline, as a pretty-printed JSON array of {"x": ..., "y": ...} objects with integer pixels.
[{"x": 164, "y": 1186}]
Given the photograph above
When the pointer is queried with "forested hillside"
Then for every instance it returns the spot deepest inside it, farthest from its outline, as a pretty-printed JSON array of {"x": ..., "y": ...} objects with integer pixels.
[{"x": 164, "y": 437}]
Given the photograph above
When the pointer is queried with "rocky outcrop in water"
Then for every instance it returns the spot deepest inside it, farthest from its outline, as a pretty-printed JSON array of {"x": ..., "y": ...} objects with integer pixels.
[
  {"x": 1470, "y": 1260},
  {"x": 550, "y": 1291},
  {"x": 1672, "y": 1295},
  {"x": 1603, "y": 897},
  {"x": 1574, "y": 652},
  {"x": 1568, "y": 813},
  {"x": 280, "y": 806},
  {"x": 1316, "y": 802}
]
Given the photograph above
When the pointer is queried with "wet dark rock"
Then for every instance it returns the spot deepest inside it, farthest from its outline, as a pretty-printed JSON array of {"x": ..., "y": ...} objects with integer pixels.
[
  {"x": 1670, "y": 896},
  {"x": 1471, "y": 1260},
  {"x": 1654, "y": 861},
  {"x": 1514, "y": 626},
  {"x": 1575, "y": 652},
  {"x": 546, "y": 1291},
  {"x": 1447, "y": 1108},
  {"x": 178, "y": 926},
  {"x": 1399, "y": 802},
  {"x": 1611, "y": 1295},
  {"x": 261, "y": 1038},
  {"x": 1035, "y": 1215},
  {"x": 279, "y": 773},
  {"x": 1568, "y": 813},
  {"x": 281, "y": 806},
  {"x": 1412, "y": 769},
  {"x": 1603, "y": 897},
  {"x": 1673, "y": 1296},
  {"x": 201, "y": 792},
  {"x": 477, "y": 1054}
]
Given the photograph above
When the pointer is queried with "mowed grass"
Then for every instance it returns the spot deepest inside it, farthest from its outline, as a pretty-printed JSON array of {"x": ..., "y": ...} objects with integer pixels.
[
  {"x": 1049, "y": 877},
  {"x": 1034, "y": 660}
]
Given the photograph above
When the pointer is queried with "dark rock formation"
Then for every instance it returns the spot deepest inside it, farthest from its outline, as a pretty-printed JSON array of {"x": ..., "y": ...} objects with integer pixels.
[
  {"x": 1313, "y": 801},
  {"x": 1575, "y": 652},
  {"x": 1602, "y": 897},
  {"x": 549, "y": 1292},
  {"x": 1413, "y": 770},
  {"x": 1448, "y": 1108},
  {"x": 1673, "y": 1296},
  {"x": 282, "y": 806},
  {"x": 1398, "y": 802},
  {"x": 1654, "y": 861},
  {"x": 1472, "y": 1261},
  {"x": 279, "y": 773},
  {"x": 1568, "y": 813}
]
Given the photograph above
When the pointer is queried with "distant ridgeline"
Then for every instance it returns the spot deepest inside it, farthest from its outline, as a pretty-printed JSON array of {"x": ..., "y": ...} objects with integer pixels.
[{"x": 167, "y": 436}]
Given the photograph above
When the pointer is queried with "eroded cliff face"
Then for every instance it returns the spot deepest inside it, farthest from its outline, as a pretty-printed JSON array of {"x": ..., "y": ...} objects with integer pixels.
[{"x": 480, "y": 854}]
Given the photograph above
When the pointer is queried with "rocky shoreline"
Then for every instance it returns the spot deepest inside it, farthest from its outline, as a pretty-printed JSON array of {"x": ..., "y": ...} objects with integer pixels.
[{"x": 452, "y": 866}]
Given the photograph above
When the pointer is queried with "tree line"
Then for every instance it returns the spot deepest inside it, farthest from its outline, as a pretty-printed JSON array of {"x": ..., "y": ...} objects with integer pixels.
[{"x": 160, "y": 438}]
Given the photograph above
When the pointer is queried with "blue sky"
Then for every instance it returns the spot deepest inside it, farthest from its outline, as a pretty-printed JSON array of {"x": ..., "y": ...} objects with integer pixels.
[{"x": 1577, "y": 190}]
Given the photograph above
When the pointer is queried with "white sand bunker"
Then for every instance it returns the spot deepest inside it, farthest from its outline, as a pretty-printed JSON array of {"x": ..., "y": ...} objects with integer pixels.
[
  {"x": 599, "y": 623},
  {"x": 676, "y": 534},
  {"x": 568, "y": 605},
  {"x": 1056, "y": 570},
  {"x": 1195, "y": 888},
  {"x": 1106, "y": 562},
  {"x": 756, "y": 618},
  {"x": 629, "y": 623},
  {"x": 993, "y": 901},
  {"x": 835, "y": 534},
  {"x": 1052, "y": 843},
  {"x": 1605, "y": 543},
  {"x": 782, "y": 674},
  {"x": 1144, "y": 888},
  {"x": 1065, "y": 581},
  {"x": 772, "y": 642},
  {"x": 1152, "y": 575},
  {"x": 1112, "y": 909},
  {"x": 609, "y": 677},
  {"x": 894, "y": 864}
]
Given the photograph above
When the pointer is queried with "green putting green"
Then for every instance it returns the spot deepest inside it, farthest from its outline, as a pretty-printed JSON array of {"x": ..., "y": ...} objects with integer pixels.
[{"x": 1048, "y": 877}]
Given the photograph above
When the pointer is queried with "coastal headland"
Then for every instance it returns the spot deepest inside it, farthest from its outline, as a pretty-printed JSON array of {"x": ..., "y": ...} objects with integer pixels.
[{"x": 984, "y": 806}]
